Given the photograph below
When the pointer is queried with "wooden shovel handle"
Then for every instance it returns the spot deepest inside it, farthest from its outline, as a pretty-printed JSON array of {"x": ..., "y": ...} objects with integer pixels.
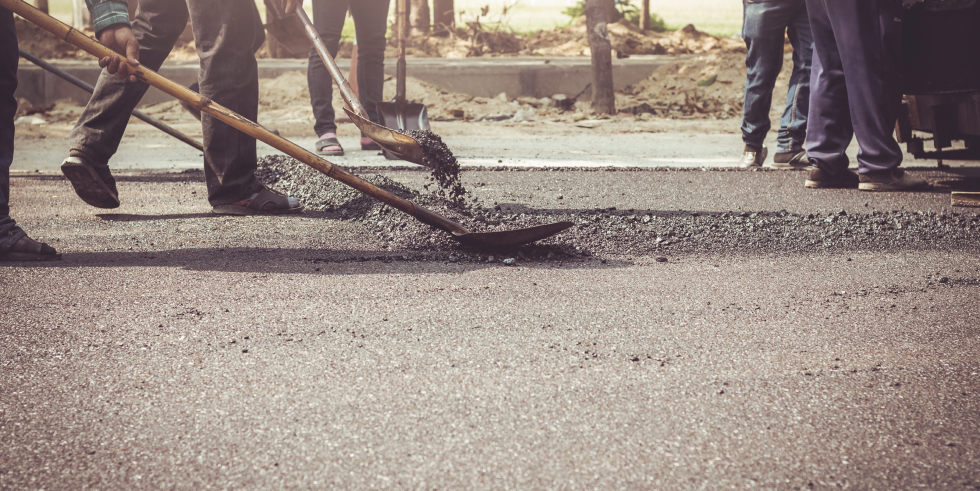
[{"x": 81, "y": 41}]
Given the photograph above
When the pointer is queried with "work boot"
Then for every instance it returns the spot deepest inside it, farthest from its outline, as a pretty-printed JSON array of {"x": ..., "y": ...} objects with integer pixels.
[
  {"x": 892, "y": 180},
  {"x": 819, "y": 178},
  {"x": 794, "y": 159},
  {"x": 92, "y": 181},
  {"x": 753, "y": 157}
]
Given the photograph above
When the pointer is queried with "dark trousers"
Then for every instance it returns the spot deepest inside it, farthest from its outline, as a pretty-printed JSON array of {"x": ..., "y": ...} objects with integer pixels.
[
  {"x": 225, "y": 33},
  {"x": 10, "y": 233},
  {"x": 855, "y": 87},
  {"x": 370, "y": 23},
  {"x": 764, "y": 26}
]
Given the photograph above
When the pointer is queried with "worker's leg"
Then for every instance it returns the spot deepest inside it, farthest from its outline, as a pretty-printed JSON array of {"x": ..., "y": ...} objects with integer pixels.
[
  {"x": 869, "y": 33},
  {"x": 370, "y": 21},
  {"x": 792, "y": 125},
  {"x": 224, "y": 32},
  {"x": 829, "y": 128},
  {"x": 763, "y": 28},
  {"x": 10, "y": 233},
  {"x": 328, "y": 18},
  {"x": 100, "y": 128}
]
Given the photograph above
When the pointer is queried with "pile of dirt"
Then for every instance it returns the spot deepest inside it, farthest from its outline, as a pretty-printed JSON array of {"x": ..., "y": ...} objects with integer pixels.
[
  {"x": 628, "y": 39},
  {"x": 712, "y": 84},
  {"x": 616, "y": 233},
  {"x": 43, "y": 44}
]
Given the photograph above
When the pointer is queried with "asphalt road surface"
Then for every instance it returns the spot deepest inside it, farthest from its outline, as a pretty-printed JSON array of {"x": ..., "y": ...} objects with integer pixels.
[{"x": 172, "y": 348}]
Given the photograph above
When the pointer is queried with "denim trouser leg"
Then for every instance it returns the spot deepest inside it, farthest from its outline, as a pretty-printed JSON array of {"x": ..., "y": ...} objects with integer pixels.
[
  {"x": 764, "y": 27},
  {"x": 792, "y": 125},
  {"x": 854, "y": 89},
  {"x": 225, "y": 33},
  {"x": 370, "y": 23},
  {"x": 10, "y": 233}
]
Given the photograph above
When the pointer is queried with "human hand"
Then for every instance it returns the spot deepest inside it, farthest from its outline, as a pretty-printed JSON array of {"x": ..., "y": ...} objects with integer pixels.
[{"x": 120, "y": 38}]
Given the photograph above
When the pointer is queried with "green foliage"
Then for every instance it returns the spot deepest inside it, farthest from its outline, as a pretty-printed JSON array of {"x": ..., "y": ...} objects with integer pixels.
[{"x": 624, "y": 10}]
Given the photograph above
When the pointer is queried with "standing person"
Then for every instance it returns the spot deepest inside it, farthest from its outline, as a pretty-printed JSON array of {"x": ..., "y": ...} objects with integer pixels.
[
  {"x": 857, "y": 50},
  {"x": 765, "y": 23},
  {"x": 225, "y": 32},
  {"x": 111, "y": 22},
  {"x": 370, "y": 24}
]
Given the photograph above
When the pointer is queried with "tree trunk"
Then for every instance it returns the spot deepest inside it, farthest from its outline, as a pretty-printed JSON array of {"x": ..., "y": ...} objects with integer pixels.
[
  {"x": 81, "y": 18},
  {"x": 603, "y": 100},
  {"x": 645, "y": 15},
  {"x": 419, "y": 17},
  {"x": 443, "y": 13},
  {"x": 42, "y": 5},
  {"x": 610, "y": 10}
]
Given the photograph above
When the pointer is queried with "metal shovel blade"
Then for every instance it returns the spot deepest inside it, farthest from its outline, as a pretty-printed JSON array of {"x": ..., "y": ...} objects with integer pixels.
[
  {"x": 511, "y": 238},
  {"x": 406, "y": 116},
  {"x": 402, "y": 146}
]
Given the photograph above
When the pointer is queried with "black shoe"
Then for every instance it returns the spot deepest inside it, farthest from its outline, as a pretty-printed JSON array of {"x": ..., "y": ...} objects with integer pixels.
[
  {"x": 794, "y": 159},
  {"x": 844, "y": 178},
  {"x": 92, "y": 182},
  {"x": 753, "y": 158}
]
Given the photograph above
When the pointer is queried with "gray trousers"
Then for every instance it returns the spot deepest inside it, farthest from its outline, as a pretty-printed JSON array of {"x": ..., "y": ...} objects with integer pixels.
[{"x": 225, "y": 32}]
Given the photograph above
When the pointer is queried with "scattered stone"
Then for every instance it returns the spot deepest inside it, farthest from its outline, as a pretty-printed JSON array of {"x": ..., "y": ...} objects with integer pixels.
[
  {"x": 661, "y": 259},
  {"x": 510, "y": 261}
]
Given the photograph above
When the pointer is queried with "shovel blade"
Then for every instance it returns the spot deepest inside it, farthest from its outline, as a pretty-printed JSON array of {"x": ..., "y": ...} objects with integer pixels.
[
  {"x": 402, "y": 146},
  {"x": 405, "y": 117},
  {"x": 511, "y": 238}
]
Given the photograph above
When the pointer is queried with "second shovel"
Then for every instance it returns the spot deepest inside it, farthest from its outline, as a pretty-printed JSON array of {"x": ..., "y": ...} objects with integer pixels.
[{"x": 399, "y": 113}]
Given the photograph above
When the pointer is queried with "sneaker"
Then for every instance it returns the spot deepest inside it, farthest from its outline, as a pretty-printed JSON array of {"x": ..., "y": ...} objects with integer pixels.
[
  {"x": 819, "y": 178},
  {"x": 892, "y": 180},
  {"x": 92, "y": 182},
  {"x": 794, "y": 159},
  {"x": 752, "y": 158}
]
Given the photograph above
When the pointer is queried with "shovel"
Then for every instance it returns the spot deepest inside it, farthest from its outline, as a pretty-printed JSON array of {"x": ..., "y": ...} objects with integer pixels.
[
  {"x": 400, "y": 113},
  {"x": 507, "y": 238},
  {"x": 77, "y": 82},
  {"x": 394, "y": 143}
]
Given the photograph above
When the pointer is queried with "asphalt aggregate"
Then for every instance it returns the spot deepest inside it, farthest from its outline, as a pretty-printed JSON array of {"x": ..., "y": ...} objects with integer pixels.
[{"x": 694, "y": 330}]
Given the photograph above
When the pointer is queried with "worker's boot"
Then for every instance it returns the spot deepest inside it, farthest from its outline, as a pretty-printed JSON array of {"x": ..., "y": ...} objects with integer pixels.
[
  {"x": 892, "y": 180},
  {"x": 819, "y": 178},
  {"x": 795, "y": 159}
]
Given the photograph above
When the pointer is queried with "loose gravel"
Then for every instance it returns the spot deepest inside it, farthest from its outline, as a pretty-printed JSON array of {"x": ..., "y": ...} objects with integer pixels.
[
  {"x": 445, "y": 167},
  {"x": 612, "y": 233}
]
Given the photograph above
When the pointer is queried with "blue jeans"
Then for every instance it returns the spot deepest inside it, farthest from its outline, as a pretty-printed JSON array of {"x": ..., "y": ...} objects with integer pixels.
[
  {"x": 10, "y": 233},
  {"x": 370, "y": 22},
  {"x": 764, "y": 25}
]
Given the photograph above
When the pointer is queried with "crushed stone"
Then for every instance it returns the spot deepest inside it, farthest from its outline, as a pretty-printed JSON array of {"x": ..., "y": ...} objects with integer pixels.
[{"x": 612, "y": 233}]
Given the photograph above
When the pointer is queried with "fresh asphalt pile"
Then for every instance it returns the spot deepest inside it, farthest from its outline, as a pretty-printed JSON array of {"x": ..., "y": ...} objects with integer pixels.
[
  {"x": 445, "y": 168},
  {"x": 613, "y": 233}
]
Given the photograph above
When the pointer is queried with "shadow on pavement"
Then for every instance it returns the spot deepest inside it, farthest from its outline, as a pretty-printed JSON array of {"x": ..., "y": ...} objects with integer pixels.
[{"x": 306, "y": 261}]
